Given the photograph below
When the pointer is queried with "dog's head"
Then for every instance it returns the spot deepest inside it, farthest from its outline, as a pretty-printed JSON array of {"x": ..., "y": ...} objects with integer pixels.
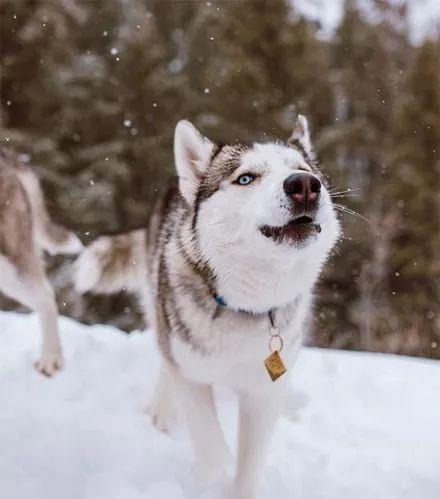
[{"x": 262, "y": 199}]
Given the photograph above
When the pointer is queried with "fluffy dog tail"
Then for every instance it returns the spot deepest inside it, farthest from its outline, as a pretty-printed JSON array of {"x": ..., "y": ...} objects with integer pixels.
[
  {"x": 112, "y": 263},
  {"x": 51, "y": 237}
]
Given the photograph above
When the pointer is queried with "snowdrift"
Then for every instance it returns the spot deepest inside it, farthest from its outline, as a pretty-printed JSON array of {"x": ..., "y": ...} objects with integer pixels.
[{"x": 369, "y": 428}]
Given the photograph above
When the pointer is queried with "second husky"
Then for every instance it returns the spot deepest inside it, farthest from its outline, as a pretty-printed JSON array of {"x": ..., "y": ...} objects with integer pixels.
[
  {"x": 230, "y": 256},
  {"x": 26, "y": 229}
]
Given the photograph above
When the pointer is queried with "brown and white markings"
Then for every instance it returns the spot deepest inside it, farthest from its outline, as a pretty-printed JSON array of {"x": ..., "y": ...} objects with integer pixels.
[
  {"x": 241, "y": 238},
  {"x": 25, "y": 231}
]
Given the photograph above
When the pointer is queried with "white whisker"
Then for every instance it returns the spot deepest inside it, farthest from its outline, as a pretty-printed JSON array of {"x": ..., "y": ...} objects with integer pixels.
[
  {"x": 344, "y": 209},
  {"x": 350, "y": 190}
]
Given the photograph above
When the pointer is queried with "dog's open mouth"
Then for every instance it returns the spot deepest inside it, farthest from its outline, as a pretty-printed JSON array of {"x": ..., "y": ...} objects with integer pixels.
[{"x": 296, "y": 231}]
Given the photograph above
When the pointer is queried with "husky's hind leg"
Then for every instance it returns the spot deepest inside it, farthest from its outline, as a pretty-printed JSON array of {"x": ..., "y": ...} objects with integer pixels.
[
  {"x": 28, "y": 284},
  {"x": 44, "y": 304}
]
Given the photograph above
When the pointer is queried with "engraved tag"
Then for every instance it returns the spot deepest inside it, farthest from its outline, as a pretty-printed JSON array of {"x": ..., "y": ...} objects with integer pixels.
[{"x": 275, "y": 365}]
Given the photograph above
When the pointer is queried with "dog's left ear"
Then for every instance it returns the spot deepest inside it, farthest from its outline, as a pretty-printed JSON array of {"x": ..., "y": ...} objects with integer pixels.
[
  {"x": 301, "y": 136},
  {"x": 192, "y": 153}
]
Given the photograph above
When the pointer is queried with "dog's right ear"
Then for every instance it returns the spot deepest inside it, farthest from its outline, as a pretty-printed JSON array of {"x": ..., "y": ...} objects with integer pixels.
[
  {"x": 300, "y": 137},
  {"x": 192, "y": 153}
]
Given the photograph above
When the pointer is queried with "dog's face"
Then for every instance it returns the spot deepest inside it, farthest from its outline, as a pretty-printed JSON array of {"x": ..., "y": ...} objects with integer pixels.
[{"x": 265, "y": 200}]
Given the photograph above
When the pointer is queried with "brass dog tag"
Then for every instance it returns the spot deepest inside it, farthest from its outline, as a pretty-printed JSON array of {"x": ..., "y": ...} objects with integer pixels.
[{"x": 275, "y": 365}]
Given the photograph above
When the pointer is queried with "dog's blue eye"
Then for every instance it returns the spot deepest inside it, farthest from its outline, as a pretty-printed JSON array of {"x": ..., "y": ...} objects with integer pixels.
[{"x": 245, "y": 179}]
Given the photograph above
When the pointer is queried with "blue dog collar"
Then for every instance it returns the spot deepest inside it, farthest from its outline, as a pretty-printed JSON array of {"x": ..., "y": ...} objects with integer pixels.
[{"x": 221, "y": 302}]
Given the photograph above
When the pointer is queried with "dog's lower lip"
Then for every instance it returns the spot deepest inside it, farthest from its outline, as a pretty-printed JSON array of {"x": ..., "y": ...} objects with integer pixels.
[{"x": 298, "y": 229}]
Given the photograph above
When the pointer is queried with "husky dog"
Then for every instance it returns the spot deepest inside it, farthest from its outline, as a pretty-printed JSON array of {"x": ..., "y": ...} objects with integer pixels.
[
  {"x": 26, "y": 230},
  {"x": 228, "y": 256}
]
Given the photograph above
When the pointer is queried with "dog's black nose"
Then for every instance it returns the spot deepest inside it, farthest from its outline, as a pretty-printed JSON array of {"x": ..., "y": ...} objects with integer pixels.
[{"x": 303, "y": 189}]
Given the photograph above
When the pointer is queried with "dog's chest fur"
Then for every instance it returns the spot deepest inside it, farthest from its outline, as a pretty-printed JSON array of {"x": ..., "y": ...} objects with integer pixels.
[{"x": 209, "y": 343}]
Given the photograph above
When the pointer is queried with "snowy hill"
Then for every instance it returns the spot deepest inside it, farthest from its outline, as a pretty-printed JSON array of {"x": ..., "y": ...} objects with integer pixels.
[{"x": 369, "y": 428}]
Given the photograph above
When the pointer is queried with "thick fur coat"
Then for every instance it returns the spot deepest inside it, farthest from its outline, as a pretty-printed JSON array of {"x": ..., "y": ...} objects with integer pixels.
[{"x": 242, "y": 237}]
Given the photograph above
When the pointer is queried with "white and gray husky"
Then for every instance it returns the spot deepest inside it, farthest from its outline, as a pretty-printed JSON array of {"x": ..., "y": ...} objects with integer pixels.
[
  {"x": 25, "y": 231},
  {"x": 226, "y": 268}
]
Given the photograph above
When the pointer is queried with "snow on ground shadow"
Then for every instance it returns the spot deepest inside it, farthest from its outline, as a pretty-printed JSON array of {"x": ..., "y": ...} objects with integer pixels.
[{"x": 369, "y": 428}]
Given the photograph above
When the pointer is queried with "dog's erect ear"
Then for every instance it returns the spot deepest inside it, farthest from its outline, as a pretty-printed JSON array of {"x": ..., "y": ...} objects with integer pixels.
[
  {"x": 192, "y": 153},
  {"x": 301, "y": 136}
]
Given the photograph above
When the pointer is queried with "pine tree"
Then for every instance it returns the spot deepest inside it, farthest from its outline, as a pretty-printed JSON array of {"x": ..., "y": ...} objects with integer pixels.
[
  {"x": 414, "y": 180},
  {"x": 35, "y": 40},
  {"x": 121, "y": 82},
  {"x": 248, "y": 72},
  {"x": 366, "y": 63}
]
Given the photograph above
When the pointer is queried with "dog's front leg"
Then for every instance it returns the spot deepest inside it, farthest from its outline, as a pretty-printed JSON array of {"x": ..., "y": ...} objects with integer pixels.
[
  {"x": 258, "y": 415},
  {"x": 211, "y": 452}
]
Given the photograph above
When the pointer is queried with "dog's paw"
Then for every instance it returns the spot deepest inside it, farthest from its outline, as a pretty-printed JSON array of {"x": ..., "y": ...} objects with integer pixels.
[
  {"x": 163, "y": 414},
  {"x": 50, "y": 363}
]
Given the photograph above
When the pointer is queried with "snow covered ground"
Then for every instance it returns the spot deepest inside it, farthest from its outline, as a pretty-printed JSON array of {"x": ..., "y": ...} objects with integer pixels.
[{"x": 370, "y": 428}]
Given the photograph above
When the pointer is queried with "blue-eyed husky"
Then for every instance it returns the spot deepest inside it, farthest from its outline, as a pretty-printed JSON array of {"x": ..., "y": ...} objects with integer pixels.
[{"x": 226, "y": 268}]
